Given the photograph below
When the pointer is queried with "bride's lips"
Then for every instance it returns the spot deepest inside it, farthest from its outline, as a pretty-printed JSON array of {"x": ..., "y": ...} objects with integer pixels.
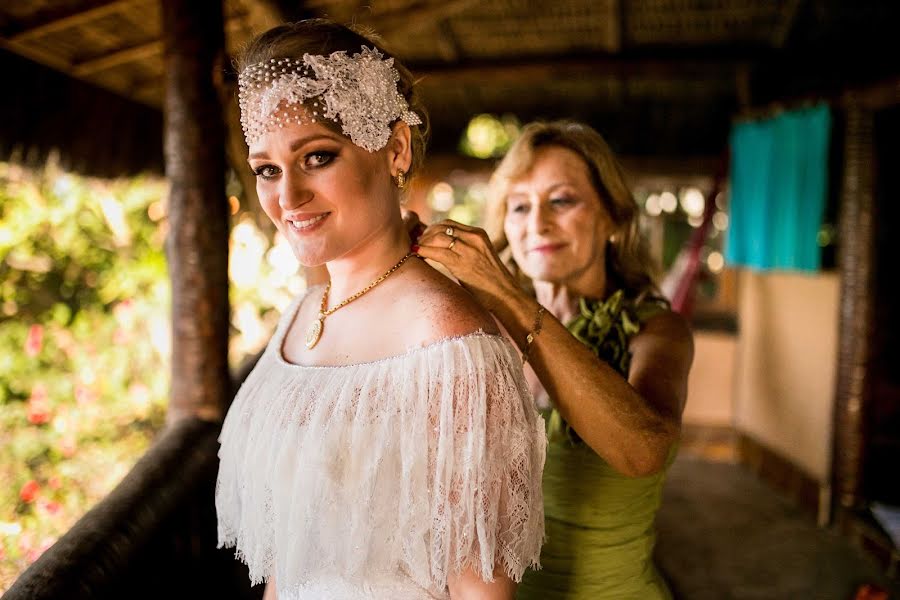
[{"x": 303, "y": 223}]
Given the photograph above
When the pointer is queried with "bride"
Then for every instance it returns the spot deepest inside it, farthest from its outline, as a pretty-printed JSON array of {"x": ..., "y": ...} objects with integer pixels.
[{"x": 385, "y": 445}]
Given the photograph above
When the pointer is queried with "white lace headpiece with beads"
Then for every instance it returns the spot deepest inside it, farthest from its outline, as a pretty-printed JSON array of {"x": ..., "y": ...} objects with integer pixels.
[{"x": 359, "y": 92}]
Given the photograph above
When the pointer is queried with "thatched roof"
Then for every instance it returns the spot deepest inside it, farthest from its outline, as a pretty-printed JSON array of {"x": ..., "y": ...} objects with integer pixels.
[
  {"x": 94, "y": 130},
  {"x": 658, "y": 77}
]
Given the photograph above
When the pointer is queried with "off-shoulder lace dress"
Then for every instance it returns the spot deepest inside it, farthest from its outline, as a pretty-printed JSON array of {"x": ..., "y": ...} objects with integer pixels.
[{"x": 381, "y": 479}]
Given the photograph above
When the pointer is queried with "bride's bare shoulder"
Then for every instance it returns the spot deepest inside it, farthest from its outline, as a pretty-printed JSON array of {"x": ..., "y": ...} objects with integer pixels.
[{"x": 438, "y": 307}]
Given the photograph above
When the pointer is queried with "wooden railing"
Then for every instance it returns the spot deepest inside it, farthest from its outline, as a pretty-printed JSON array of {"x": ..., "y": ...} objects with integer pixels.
[{"x": 153, "y": 536}]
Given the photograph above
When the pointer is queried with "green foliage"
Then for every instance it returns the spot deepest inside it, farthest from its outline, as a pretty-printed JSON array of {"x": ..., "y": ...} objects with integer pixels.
[
  {"x": 488, "y": 136},
  {"x": 84, "y": 339},
  {"x": 83, "y": 347}
]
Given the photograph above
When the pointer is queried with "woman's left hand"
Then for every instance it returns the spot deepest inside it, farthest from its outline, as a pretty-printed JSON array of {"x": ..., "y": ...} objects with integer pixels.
[{"x": 468, "y": 254}]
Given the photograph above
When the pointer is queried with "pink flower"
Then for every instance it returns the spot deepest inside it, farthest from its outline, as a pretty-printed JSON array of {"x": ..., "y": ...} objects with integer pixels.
[
  {"x": 54, "y": 482},
  {"x": 121, "y": 337},
  {"x": 38, "y": 411},
  {"x": 49, "y": 506},
  {"x": 34, "y": 341},
  {"x": 65, "y": 342},
  {"x": 38, "y": 414},
  {"x": 67, "y": 447},
  {"x": 29, "y": 491},
  {"x": 38, "y": 393},
  {"x": 84, "y": 395}
]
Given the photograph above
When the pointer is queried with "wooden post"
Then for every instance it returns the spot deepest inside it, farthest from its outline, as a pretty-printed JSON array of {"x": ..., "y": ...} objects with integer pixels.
[
  {"x": 197, "y": 244},
  {"x": 856, "y": 259}
]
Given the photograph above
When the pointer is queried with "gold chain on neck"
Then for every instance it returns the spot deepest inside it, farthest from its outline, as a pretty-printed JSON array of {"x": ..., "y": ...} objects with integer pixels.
[{"x": 315, "y": 330}]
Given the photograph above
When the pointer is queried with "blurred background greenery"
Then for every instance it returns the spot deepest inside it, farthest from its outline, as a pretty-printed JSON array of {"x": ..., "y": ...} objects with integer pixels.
[{"x": 85, "y": 339}]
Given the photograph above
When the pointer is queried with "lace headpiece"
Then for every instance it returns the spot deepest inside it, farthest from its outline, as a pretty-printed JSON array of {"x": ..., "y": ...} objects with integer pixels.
[{"x": 359, "y": 92}]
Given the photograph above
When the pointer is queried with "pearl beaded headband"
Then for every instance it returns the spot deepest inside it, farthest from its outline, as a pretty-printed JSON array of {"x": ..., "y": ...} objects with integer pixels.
[{"x": 359, "y": 92}]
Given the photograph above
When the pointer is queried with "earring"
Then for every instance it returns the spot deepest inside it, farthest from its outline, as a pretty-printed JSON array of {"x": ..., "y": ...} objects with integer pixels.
[{"x": 401, "y": 179}]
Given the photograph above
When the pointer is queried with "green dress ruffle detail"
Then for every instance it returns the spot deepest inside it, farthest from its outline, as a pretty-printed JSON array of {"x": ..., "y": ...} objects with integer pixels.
[{"x": 599, "y": 523}]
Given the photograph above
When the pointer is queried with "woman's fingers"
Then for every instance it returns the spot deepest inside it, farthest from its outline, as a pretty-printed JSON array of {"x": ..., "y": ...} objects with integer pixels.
[
  {"x": 439, "y": 239},
  {"x": 444, "y": 256},
  {"x": 458, "y": 228},
  {"x": 471, "y": 260},
  {"x": 440, "y": 234},
  {"x": 474, "y": 236}
]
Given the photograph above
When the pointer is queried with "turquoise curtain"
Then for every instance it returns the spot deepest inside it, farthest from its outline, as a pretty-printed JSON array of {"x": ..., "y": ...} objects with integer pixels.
[{"x": 779, "y": 183}]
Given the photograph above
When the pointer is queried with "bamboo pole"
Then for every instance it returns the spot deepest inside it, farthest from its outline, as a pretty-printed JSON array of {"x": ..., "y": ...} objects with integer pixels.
[
  {"x": 197, "y": 243},
  {"x": 857, "y": 254}
]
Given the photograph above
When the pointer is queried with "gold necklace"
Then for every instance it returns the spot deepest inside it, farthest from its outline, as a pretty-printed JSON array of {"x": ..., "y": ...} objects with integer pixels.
[{"x": 314, "y": 333}]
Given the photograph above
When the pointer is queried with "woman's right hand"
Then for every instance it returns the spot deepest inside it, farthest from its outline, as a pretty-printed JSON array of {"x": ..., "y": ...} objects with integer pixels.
[{"x": 469, "y": 256}]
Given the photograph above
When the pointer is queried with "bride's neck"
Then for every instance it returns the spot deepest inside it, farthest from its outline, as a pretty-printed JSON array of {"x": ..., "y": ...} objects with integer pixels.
[{"x": 367, "y": 261}]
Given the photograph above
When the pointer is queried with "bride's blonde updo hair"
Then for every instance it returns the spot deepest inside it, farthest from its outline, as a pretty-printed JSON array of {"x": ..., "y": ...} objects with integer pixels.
[
  {"x": 323, "y": 37},
  {"x": 628, "y": 263}
]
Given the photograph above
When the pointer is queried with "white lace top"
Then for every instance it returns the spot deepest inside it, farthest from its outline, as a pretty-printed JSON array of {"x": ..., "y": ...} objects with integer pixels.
[{"x": 378, "y": 480}]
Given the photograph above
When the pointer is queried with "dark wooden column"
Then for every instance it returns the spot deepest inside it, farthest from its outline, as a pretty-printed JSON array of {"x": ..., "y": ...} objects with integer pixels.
[
  {"x": 197, "y": 244},
  {"x": 857, "y": 254}
]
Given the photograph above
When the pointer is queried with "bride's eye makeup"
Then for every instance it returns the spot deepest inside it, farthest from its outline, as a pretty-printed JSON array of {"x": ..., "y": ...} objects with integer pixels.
[
  {"x": 318, "y": 159},
  {"x": 310, "y": 161},
  {"x": 266, "y": 171}
]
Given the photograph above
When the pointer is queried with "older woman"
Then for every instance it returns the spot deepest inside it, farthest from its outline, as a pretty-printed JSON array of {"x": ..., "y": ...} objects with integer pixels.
[{"x": 608, "y": 360}]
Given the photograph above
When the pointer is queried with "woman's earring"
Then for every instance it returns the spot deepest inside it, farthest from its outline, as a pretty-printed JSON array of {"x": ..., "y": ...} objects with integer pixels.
[{"x": 401, "y": 179}]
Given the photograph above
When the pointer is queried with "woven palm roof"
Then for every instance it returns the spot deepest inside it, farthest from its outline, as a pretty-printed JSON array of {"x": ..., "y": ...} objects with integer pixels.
[{"x": 658, "y": 76}]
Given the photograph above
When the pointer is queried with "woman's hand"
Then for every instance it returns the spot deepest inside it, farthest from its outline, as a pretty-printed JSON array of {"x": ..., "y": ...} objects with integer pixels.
[
  {"x": 468, "y": 254},
  {"x": 631, "y": 423}
]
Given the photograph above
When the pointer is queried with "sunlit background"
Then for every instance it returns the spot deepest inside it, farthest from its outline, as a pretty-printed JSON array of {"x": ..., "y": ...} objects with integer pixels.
[{"x": 85, "y": 338}]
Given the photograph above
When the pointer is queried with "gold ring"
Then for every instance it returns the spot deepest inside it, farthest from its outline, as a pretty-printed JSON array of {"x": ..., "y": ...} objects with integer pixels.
[
  {"x": 452, "y": 243},
  {"x": 449, "y": 231}
]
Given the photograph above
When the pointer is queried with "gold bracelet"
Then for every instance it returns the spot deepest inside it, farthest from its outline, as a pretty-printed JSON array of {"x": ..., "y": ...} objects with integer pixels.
[{"x": 536, "y": 329}]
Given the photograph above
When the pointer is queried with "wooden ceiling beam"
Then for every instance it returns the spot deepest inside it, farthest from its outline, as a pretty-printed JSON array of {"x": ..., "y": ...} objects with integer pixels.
[
  {"x": 119, "y": 57},
  {"x": 37, "y": 54},
  {"x": 122, "y": 56},
  {"x": 447, "y": 44},
  {"x": 876, "y": 96},
  {"x": 424, "y": 15},
  {"x": 788, "y": 18},
  {"x": 547, "y": 69},
  {"x": 263, "y": 14},
  {"x": 616, "y": 26},
  {"x": 63, "y": 22}
]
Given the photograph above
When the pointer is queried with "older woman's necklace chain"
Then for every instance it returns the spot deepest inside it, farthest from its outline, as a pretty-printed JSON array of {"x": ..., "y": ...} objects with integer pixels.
[{"x": 314, "y": 333}]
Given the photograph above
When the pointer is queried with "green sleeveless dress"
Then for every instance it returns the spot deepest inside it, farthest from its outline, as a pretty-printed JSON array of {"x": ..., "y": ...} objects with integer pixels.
[{"x": 599, "y": 524}]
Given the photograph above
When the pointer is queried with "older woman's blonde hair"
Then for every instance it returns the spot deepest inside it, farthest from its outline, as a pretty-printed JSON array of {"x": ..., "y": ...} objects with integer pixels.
[{"x": 628, "y": 263}]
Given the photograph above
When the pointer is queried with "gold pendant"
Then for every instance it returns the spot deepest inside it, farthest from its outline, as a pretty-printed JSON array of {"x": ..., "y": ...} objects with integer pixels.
[{"x": 314, "y": 333}]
